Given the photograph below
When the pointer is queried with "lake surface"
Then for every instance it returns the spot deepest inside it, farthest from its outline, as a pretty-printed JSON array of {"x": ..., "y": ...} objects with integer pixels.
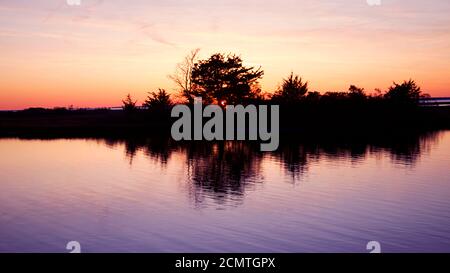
[{"x": 153, "y": 195}]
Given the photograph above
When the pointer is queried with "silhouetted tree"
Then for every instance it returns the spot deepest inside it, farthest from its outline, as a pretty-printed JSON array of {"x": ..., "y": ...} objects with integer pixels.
[
  {"x": 224, "y": 78},
  {"x": 407, "y": 92},
  {"x": 313, "y": 96},
  {"x": 183, "y": 75},
  {"x": 331, "y": 98},
  {"x": 159, "y": 101},
  {"x": 292, "y": 89},
  {"x": 356, "y": 92},
  {"x": 129, "y": 105}
]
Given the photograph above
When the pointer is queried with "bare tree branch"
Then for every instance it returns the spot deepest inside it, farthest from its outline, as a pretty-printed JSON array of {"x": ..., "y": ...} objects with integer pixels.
[{"x": 182, "y": 76}]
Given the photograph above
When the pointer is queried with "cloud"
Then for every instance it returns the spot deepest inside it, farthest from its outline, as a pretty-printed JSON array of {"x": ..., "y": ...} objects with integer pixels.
[{"x": 150, "y": 31}]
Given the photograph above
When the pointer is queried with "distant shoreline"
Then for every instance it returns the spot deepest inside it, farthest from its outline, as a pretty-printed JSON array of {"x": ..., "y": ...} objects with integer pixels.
[{"x": 294, "y": 122}]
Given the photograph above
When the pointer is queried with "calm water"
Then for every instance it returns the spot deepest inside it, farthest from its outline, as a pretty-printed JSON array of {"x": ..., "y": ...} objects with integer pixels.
[{"x": 159, "y": 196}]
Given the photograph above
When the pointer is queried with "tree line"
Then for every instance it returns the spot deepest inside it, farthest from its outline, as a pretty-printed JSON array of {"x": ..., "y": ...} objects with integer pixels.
[{"x": 223, "y": 79}]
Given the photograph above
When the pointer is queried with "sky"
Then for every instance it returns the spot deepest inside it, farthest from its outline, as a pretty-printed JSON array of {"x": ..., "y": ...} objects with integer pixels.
[{"x": 93, "y": 54}]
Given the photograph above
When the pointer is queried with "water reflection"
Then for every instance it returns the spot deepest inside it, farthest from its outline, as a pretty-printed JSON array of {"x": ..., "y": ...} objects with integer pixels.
[
  {"x": 226, "y": 170},
  {"x": 157, "y": 195}
]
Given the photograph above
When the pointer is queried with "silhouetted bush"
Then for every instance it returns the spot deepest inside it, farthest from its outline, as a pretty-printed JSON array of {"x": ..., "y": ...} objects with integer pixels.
[
  {"x": 356, "y": 93},
  {"x": 128, "y": 104},
  {"x": 292, "y": 90},
  {"x": 158, "y": 101},
  {"x": 406, "y": 93}
]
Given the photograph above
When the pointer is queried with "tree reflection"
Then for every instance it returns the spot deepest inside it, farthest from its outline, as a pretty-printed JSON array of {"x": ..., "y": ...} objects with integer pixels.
[{"x": 222, "y": 171}]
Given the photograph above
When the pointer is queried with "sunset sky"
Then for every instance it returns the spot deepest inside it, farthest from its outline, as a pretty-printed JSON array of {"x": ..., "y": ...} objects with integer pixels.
[{"x": 92, "y": 55}]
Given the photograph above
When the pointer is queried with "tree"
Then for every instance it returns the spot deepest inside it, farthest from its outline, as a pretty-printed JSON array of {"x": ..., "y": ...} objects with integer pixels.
[
  {"x": 292, "y": 89},
  {"x": 356, "y": 92},
  {"x": 313, "y": 96},
  {"x": 128, "y": 104},
  {"x": 183, "y": 75},
  {"x": 223, "y": 79},
  {"x": 159, "y": 101},
  {"x": 407, "y": 92}
]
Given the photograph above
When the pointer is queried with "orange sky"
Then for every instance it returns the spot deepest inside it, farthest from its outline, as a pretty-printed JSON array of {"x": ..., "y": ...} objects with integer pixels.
[{"x": 92, "y": 55}]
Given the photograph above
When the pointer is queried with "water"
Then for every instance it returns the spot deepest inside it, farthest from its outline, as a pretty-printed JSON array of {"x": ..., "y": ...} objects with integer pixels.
[{"x": 160, "y": 196}]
